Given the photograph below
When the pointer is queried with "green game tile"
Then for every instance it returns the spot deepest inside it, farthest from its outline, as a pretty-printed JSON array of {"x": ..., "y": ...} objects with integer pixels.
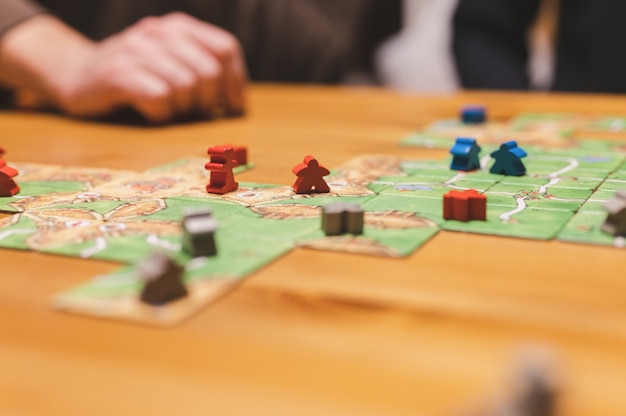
[
  {"x": 542, "y": 166},
  {"x": 527, "y": 121},
  {"x": 597, "y": 174},
  {"x": 559, "y": 198},
  {"x": 603, "y": 195},
  {"x": 501, "y": 199},
  {"x": 555, "y": 198},
  {"x": 269, "y": 229},
  {"x": 250, "y": 254},
  {"x": 435, "y": 167},
  {"x": 530, "y": 223},
  {"x": 16, "y": 230},
  {"x": 402, "y": 242},
  {"x": 592, "y": 205},
  {"x": 484, "y": 175},
  {"x": 378, "y": 187},
  {"x": 100, "y": 207},
  {"x": 608, "y": 124},
  {"x": 578, "y": 183},
  {"x": 619, "y": 175},
  {"x": 318, "y": 201},
  {"x": 612, "y": 185},
  {"x": 220, "y": 209},
  {"x": 417, "y": 191},
  {"x": 35, "y": 188},
  {"x": 119, "y": 283},
  {"x": 427, "y": 140},
  {"x": 426, "y": 176},
  {"x": 525, "y": 181},
  {"x": 467, "y": 183},
  {"x": 124, "y": 249},
  {"x": 258, "y": 185},
  {"x": 585, "y": 228},
  {"x": 609, "y": 162},
  {"x": 429, "y": 208},
  {"x": 126, "y": 281}
]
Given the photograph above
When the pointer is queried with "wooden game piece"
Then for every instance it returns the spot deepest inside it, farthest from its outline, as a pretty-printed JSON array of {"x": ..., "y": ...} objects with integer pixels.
[
  {"x": 341, "y": 218},
  {"x": 240, "y": 154},
  {"x": 534, "y": 390},
  {"x": 465, "y": 205},
  {"x": 465, "y": 154},
  {"x": 221, "y": 164},
  {"x": 615, "y": 222},
  {"x": 473, "y": 114},
  {"x": 199, "y": 228},
  {"x": 163, "y": 277},
  {"x": 508, "y": 160},
  {"x": 8, "y": 187},
  {"x": 310, "y": 177}
]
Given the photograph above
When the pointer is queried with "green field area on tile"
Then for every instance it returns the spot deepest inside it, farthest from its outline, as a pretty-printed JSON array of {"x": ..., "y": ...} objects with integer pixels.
[{"x": 530, "y": 223}]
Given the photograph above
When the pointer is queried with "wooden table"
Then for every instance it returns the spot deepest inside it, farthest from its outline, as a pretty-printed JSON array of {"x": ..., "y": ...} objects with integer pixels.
[{"x": 314, "y": 333}]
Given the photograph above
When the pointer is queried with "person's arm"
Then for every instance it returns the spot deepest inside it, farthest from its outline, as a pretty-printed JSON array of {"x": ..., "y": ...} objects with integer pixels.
[
  {"x": 489, "y": 44},
  {"x": 164, "y": 67}
]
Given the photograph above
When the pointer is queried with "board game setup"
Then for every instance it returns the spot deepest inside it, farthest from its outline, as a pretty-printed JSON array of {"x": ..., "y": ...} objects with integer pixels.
[{"x": 199, "y": 232}]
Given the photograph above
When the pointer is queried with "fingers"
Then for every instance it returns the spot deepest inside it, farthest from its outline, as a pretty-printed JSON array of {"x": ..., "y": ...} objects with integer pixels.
[
  {"x": 166, "y": 68},
  {"x": 201, "y": 63},
  {"x": 147, "y": 93},
  {"x": 207, "y": 71},
  {"x": 227, "y": 50},
  {"x": 161, "y": 62}
]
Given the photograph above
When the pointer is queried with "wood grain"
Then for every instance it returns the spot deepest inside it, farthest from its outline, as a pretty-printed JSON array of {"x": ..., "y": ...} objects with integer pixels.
[{"x": 315, "y": 333}]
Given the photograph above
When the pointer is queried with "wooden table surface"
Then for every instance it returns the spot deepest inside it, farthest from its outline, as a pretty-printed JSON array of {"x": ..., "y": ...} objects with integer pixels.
[{"x": 315, "y": 333}]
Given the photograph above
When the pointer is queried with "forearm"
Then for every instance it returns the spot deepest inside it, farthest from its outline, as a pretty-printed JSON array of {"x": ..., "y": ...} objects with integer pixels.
[{"x": 490, "y": 42}]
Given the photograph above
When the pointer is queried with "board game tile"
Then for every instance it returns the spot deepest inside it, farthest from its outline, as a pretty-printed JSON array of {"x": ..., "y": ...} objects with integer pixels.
[
  {"x": 33, "y": 189},
  {"x": 585, "y": 228},
  {"x": 384, "y": 242},
  {"x": 127, "y": 306},
  {"x": 252, "y": 194},
  {"x": 431, "y": 168},
  {"x": 561, "y": 124},
  {"x": 16, "y": 230},
  {"x": 133, "y": 241},
  {"x": 427, "y": 140},
  {"x": 100, "y": 207},
  {"x": 605, "y": 124},
  {"x": 503, "y": 199},
  {"x": 529, "y": 223},
  {"x": 177, "y": 205},
  {"x": 412, "y": 212},
  {"x": 317, "y": 200},
  {"x": 152, "y": 185},
  {"x": 269, "y": 225},
  {"x": 543, "y": 198},
  {"x": 614, "y": 182},
  {"x": 525, "y": 181},
  {"x": 250, "y": 254},
  {"x": 588, "y": 183},
  {"x": 466, "y": 182},
  {"x": 418, "y": 190}
]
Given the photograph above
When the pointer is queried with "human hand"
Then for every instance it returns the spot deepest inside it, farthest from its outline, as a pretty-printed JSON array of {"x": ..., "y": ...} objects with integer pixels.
[{"x": 166, "y": 68}]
